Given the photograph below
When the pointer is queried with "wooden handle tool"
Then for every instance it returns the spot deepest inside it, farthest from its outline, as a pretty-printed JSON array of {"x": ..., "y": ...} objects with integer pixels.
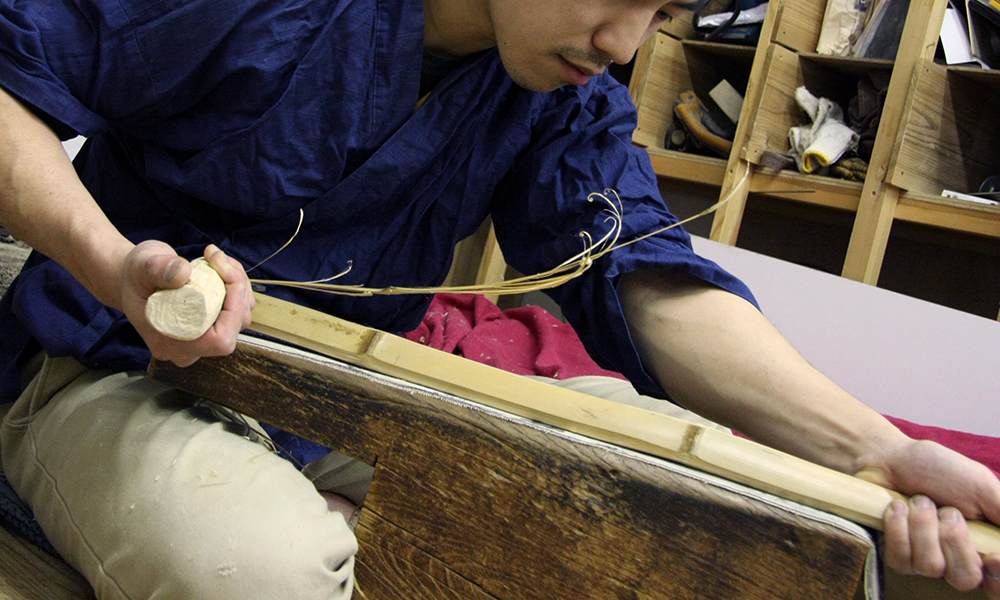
[{"x": 187, "y": 312}]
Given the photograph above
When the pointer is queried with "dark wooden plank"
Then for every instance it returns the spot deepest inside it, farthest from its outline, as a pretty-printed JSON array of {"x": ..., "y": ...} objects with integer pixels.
[
  {"x": 467, "y": 502},
  {"x": 392, "y": 565},
  {"x": 29, "y": 573}
]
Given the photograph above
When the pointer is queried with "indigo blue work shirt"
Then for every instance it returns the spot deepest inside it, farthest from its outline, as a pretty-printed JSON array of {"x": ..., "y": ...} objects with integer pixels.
[{"x": 216, "y": 122}]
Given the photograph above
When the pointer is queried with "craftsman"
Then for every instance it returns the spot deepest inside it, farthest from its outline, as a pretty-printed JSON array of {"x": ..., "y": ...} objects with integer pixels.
[{"x": 211, "y": 124}]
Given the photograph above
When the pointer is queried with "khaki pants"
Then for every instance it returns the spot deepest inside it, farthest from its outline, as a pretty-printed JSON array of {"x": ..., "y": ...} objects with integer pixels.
[{"x": 151, "y": 495}]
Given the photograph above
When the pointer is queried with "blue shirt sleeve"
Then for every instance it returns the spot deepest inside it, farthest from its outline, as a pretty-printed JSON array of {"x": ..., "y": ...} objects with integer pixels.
[
  {"x": 32, "y": 34},
  {"x": 151, "y": 67},
  {"x": 583, "y": 145}
]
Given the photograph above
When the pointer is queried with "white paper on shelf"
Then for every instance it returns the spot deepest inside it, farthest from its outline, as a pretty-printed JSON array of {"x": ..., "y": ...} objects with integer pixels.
[
  {"x": 968, "y": 198},
  {"x": 955, "y": 39}
]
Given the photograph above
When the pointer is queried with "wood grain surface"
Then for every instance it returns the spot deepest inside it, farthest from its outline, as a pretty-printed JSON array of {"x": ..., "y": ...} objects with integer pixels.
[{"x": 29, "y": 573}]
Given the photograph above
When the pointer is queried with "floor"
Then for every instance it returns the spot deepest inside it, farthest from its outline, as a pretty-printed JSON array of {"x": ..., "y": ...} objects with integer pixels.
[
  {"x": 29, "y": 573},
  {"x": 12, "y": 255}
]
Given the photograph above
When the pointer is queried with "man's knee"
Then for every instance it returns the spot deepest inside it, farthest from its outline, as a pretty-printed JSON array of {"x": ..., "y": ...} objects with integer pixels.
[
  {"x": 262, "y": 560},
  {"x": 148, "y": 498},
  {"x": 239, "y": 522}
]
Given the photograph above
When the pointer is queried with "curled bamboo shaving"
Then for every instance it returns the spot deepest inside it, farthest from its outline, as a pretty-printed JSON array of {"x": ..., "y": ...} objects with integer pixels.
[
  {"x": 569, "y": 269},
  {"x": 302, "y": 216}
]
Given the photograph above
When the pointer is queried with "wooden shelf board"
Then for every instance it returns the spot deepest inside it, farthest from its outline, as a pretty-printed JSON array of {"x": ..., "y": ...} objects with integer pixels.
[
  {"x": 735, "y": 51},
  {"x": 808, "y": 189},
  {"x": 848, "y": 65},
  {"x": 949, "y": 141},
  {"x": 687, "y": 167},
  {"x": 949, "y": 213},
  {"x": 984, "y": 77}
]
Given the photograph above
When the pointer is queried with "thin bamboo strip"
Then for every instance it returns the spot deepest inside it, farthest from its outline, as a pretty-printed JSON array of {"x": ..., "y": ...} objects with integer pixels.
[
  {"x": 735, "y": 458},
  {"x": 565, "y": 271}
]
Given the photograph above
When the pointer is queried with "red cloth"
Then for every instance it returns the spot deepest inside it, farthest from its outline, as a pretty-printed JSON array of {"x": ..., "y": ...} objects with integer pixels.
[
  {"x": 530, "y": 341},
  {"x": 984, "y": 449},
  {"x": 526, "y": 341}
]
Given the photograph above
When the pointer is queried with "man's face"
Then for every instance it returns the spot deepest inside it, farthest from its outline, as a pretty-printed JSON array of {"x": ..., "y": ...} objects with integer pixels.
[{"x": 546, "y": 44}]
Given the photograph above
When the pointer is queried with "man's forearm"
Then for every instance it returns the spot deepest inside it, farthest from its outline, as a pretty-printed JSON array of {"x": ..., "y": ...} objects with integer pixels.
[
  {"x": 714, "y": 353},
  {"x": 43, "y": 202}
]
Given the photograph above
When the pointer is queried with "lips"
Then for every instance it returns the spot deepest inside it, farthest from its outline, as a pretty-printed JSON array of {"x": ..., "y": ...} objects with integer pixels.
[{"x": 577, "y": 74}]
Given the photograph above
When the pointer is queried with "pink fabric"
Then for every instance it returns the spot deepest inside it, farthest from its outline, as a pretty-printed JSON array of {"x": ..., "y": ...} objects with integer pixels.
[
  {"x": 526, "y": 341},
  {"x": 530, "y": 341},
  {"x": 981, "y": 448}
]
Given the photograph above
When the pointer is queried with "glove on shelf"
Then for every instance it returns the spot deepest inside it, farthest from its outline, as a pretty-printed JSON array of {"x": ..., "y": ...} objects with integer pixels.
[{"x": 820, "y": 144}]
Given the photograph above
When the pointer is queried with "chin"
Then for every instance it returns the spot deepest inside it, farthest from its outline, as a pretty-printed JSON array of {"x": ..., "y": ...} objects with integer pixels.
[
  {"x": 535, "y": 83},
  {"x": 542, "y": 89},
  {"x": 533, "y": 79}
]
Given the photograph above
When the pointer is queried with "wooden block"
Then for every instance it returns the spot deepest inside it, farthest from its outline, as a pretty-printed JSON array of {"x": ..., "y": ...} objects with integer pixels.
[
  {"x": 728, "y": 99},
  {"x": 471, "y": 502}
]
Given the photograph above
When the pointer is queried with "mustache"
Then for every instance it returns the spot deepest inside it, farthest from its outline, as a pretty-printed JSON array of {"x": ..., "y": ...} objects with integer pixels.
[{"x": 599, "y": 59}]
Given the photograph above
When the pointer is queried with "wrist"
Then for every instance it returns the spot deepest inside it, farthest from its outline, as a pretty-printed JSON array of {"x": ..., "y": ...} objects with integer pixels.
[
  {"x": 101, "y": 266},
  {"x": 876, "y": 454}
]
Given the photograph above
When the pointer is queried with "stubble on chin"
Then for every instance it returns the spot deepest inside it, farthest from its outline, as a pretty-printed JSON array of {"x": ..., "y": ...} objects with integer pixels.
[
  {"x": 543, "y": 71},
  {"x": 533, "y": 78},
  {"x": 544, "y": 75}
]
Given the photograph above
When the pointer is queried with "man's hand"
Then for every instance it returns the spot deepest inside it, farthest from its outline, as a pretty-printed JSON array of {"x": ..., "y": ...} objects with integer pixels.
[
  {"x": 152, "y": 266},
  {"x": 921, "y": 539}
]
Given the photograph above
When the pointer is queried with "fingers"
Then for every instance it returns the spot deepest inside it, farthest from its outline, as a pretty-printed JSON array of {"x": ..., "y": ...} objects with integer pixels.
[
  {"x": 239, "y": 301},
  {"x": 898, "y": 550},
  {"x": 921, "y": 539},
  {"x": 227, "y": 268},
  {"x": 927, "y": 558},
  {"x": 964, "y": 567},
  {"x": 154, "y": 265},
  {"x": 991, "y": 582}
]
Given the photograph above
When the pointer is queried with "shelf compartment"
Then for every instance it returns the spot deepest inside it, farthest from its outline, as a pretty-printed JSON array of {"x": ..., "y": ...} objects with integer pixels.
[
  {"x": 674, "y": 66},
  {"x": 835, "y": 78},
  {"x": 688, "y": 167},
  {"x": 948, "y": 213},
  {"x": 683, "y": 27},
  {"x": 951, "y": 138},
  {"x": 798, "y": 25}
]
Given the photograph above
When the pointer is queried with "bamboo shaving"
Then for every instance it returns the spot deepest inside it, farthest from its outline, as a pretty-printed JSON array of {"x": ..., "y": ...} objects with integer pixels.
[
  {"x": 565, "y": 271},
  {"x": 302, "y": 216}
]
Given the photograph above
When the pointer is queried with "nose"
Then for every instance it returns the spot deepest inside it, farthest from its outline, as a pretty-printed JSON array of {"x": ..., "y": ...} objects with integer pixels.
[{"x": 622, "y": 35}]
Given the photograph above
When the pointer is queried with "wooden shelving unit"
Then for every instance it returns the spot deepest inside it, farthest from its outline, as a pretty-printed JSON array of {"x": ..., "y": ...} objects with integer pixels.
[{"x": 934, "y": 132}]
